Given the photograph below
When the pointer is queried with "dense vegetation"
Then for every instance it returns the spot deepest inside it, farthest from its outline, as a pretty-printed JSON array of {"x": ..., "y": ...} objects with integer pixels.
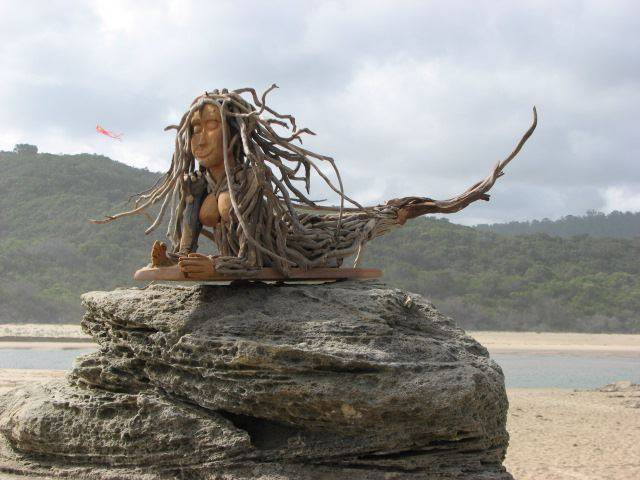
[
  {"x": 50, "y": 253},
  {"x": 596, "y": 224},
  {"x": 534, "y": 282}
]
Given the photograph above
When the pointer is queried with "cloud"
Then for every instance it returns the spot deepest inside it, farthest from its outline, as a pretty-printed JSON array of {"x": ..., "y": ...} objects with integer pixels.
[
  {"x": 411, "y": 98},
  {"x": 621, "y": 198}
]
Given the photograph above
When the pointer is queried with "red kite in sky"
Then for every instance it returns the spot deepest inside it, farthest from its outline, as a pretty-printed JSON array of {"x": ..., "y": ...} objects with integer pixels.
[{"x": 101, "y": 130}]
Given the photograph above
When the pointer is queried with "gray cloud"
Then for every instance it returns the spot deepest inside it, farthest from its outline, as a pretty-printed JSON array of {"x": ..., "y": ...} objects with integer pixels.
[{"x": 409, "y": 97}]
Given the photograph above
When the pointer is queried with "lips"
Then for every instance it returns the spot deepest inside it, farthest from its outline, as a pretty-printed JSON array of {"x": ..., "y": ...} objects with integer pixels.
[{"x": 201, "y": 152}]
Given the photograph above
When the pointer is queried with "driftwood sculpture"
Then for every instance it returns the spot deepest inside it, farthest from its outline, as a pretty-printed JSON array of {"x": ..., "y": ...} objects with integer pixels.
[{"x": 235, "y": 180}]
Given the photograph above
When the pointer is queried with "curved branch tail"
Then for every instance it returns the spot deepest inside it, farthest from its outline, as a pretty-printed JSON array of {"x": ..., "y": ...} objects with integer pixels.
[{"x": 411, "y": 207}]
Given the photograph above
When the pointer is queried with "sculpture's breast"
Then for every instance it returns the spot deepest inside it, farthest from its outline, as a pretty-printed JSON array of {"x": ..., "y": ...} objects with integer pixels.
[
  {"x": 209, "y": 214},
  {"x": 224, "y": 206},
  {"x": 215, "y": 208}
]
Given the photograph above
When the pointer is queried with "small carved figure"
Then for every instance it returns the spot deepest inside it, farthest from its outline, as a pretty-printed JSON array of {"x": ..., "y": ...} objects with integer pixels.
[{"x": 231, "y": 172}]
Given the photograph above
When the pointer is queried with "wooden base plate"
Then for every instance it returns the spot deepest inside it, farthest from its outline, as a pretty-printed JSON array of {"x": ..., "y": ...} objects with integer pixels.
[{"x": 173, "y": 273}]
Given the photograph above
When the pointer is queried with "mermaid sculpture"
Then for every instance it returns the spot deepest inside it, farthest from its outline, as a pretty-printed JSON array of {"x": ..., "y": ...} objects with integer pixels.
[{"x": 237, "y": 181}]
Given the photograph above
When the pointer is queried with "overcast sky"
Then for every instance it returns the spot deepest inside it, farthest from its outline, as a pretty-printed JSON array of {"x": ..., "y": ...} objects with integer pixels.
[{"x": 411, "y": 98}]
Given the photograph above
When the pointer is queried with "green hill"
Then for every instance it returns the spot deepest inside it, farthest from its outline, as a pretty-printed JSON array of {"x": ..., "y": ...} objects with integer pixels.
[
  {"x": 535, "y": 282},
  {"x": 50, "y": 253},
  {"x": 596, "y": 224}
]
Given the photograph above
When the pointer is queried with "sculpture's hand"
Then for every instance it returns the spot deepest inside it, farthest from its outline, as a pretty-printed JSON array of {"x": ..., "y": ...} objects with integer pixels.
[
  {"x": 194, "y": 183},
  {"x": 197, "y": 266}
]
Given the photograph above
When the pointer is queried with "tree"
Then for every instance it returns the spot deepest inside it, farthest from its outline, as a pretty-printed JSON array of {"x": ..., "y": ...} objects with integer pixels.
[{"x": 25, "y": 149}]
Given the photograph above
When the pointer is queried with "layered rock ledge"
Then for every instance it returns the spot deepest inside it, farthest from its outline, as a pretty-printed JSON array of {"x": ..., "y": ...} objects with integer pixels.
[{"x": 347, "y": 380}]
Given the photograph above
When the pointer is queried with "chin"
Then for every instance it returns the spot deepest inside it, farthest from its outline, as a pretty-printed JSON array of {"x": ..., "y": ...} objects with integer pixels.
[{"x": 206, "y": 161}]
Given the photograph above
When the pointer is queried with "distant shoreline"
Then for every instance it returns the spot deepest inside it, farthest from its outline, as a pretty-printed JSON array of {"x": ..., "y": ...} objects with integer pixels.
[
  {"x": 45, "y": 343},
  {"x": 51, "y": 336},
  {"x": 606, "y": 344},
  {"x": 44, "y": 337},
  {"x": 20, "y": 338}
]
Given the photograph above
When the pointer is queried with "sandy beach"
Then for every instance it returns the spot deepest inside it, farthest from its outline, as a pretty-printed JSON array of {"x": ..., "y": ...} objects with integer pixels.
[
  {"x": 568, "y": 343},
  {"x": 15, "y": 377},
  {"x": 567, "y": 434},
  {"x": 43, "y": 336},
  {"x": 555, "y": 433}
]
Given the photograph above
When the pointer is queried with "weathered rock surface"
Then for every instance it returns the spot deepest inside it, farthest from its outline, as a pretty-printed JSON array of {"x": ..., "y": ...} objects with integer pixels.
[{"x": 348, "y": 380}]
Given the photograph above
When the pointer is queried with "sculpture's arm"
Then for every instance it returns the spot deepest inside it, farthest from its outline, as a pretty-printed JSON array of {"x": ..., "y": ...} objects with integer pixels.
[
  {"x": 195, "y": 188},
  {"x": 411, "y": 207}
]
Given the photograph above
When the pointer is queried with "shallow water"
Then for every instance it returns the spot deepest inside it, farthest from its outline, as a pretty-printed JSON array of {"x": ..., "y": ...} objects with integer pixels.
[
  {"x": 522, "y": 370},
  {"x": 527, "y": 370},
  {"x": 40, "y": 359}
]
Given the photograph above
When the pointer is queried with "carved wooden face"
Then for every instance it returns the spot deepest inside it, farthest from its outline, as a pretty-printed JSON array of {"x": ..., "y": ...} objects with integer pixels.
[{"x": 206, "y": 136}]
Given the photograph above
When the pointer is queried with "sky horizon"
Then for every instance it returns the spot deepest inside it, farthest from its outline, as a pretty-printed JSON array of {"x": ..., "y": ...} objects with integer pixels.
[{"x": 410, "y": 98}]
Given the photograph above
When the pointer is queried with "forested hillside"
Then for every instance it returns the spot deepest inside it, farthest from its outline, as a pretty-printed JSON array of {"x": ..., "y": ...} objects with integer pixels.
[
  {"x": 533, "y": 282},
  {"x": 596, "y": 224},
  {"x": 50, "y": 253}
]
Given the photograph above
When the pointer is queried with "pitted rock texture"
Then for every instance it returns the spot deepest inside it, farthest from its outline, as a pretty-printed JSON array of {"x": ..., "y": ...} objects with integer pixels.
[{"x": 346, "y": 380}]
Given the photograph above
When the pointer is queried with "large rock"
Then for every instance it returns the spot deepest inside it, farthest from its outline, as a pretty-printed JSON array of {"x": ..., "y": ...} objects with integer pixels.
[{"x": 346, "y": 380}]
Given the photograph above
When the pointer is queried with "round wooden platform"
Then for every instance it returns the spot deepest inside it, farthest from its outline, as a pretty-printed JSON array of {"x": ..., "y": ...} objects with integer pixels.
[{"x": 174, "y": 274}]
